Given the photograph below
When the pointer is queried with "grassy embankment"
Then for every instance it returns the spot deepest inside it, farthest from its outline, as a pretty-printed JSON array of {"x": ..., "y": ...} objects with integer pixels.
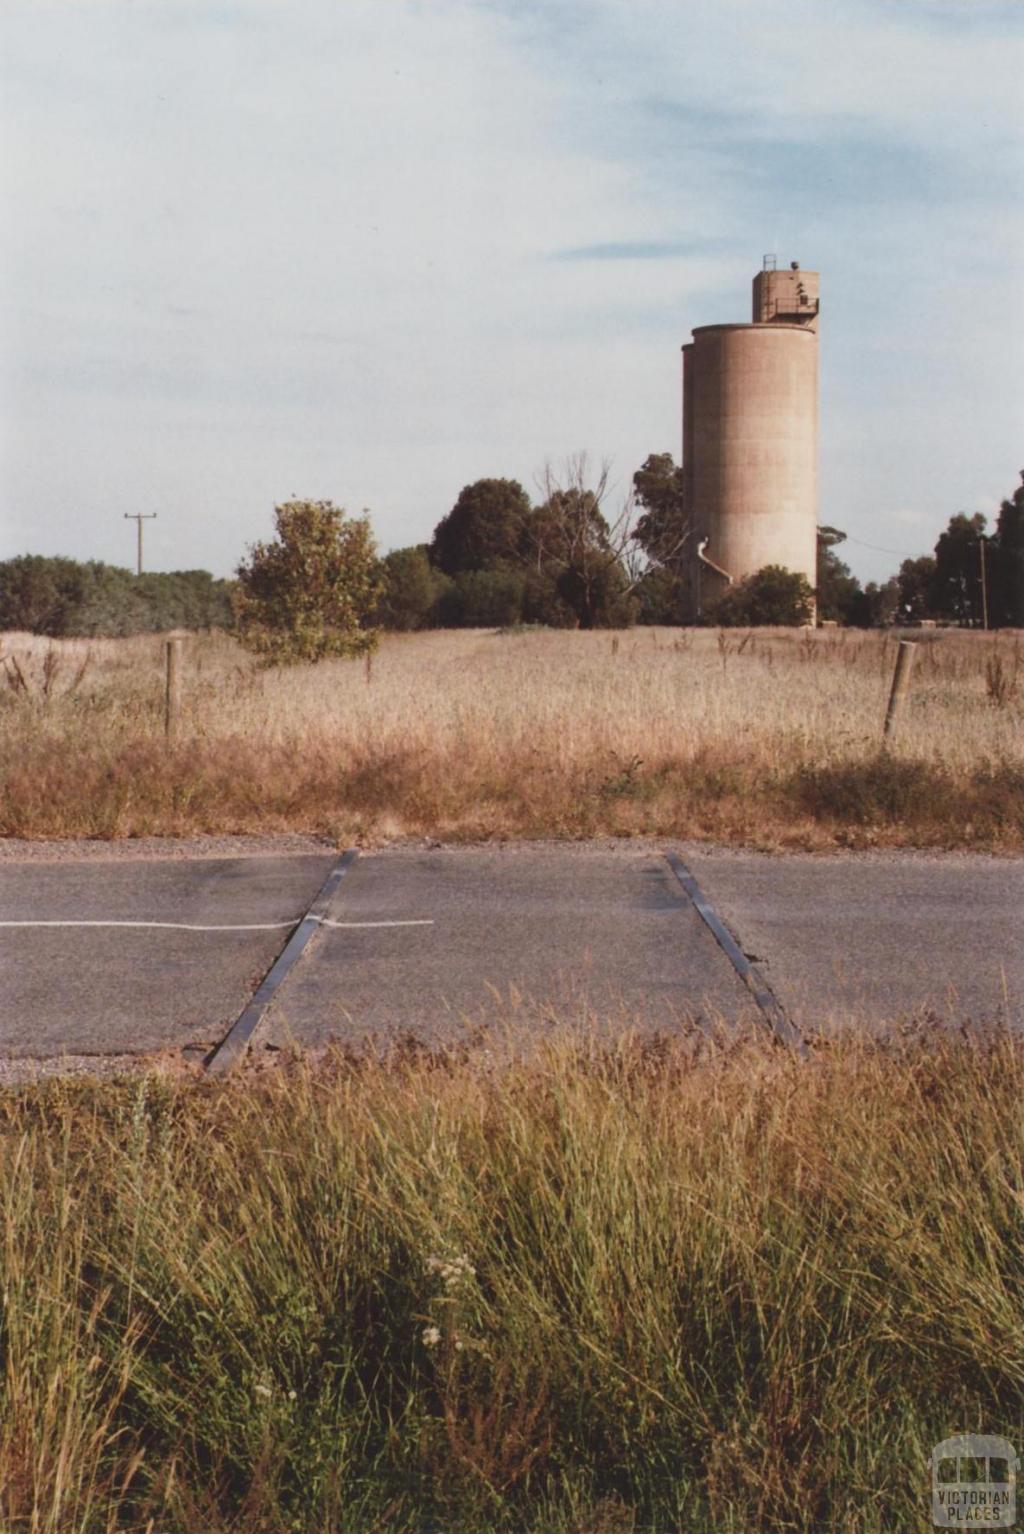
[
  {"x": 598, "y": 1293},
  {"x": 771, "y": 738}
]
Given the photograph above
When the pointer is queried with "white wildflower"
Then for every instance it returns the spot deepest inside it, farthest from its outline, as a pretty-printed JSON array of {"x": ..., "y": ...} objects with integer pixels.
[
  {"x": 431, "y": 1336},
  {"x": 453, "y": 1271}
]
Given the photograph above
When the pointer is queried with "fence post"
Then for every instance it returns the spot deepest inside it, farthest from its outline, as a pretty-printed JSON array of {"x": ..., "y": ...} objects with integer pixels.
[
  {"x": 900, "y": 683},
  {"x": 172, "y": 696}
]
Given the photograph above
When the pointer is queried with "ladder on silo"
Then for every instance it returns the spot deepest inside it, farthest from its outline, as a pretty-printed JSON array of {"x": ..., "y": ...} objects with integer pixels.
[{"x": 769, "y": 306}]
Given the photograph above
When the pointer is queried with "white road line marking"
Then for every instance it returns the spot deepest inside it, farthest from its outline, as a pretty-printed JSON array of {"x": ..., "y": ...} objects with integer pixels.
[
  {"x": 324, "y": 922},
  {"x": 177, "y": 926},
  {"x": 185, "y": 926}
]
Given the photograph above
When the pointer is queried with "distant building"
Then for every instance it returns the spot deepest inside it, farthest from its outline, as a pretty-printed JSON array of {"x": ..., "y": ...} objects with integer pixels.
[{"x": 750, "y": 438}]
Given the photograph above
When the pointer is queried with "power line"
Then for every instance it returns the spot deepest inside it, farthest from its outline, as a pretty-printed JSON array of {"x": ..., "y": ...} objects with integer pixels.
[{"x": 899, "y": 553}]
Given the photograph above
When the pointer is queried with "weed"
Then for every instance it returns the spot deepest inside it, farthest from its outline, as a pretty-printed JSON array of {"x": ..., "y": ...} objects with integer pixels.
[
  {"x": 1000, "y": 682},
  {"x": 15, "y": 676},
  {"x": 623, "y": 783}
]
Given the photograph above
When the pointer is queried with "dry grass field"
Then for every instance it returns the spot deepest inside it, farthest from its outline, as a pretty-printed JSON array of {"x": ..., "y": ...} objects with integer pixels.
[{"x": 771, "y": 738}]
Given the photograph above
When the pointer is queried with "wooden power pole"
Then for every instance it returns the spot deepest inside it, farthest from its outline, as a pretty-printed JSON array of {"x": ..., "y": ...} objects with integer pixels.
[{"x": 139, "y": 517}]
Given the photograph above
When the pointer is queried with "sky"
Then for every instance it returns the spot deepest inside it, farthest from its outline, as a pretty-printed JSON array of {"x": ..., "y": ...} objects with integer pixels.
[{"x": 372, "y": 250}]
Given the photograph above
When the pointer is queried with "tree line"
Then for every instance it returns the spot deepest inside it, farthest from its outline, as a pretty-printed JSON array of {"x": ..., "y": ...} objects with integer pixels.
[
  {"x": 65, "y": 598},
  {"x": 974, "y": 578},
  {"x": 497, "y": 559}
]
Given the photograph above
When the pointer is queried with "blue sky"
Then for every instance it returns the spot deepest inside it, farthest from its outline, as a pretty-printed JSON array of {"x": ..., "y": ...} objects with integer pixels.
[{"x": 371, "y": 250}]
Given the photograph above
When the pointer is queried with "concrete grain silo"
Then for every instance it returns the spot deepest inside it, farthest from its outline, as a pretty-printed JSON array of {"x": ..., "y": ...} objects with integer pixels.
[{"x": 750, "y": 438}]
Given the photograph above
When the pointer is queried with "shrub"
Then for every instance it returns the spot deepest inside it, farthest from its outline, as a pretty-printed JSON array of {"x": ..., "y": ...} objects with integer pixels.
[
  {"x": 412, "y": 589},
  {"x": 483, "y": 599},
  {"x": 773, "y": 597}
]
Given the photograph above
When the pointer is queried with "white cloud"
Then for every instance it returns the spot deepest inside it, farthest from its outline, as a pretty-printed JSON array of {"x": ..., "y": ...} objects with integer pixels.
[{"x": 905, "y": 65}]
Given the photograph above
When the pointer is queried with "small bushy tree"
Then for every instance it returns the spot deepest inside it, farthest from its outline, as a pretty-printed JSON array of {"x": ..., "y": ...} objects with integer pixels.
[
  {"x": 310, "y": 592},
  {"x": 38, "y": 594},
  {"x": 660, "y": 596},
  {"x": 772, "y": 597},
  {"x": 542, "y": 603},
  {"x": 412, "y": 589},
  {"x": 479, "y": 599}
]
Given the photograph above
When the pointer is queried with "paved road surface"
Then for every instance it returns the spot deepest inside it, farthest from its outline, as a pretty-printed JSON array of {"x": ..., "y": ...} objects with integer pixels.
[
  {"x": 563, "y": 932},
  {"x": 114, "y": 990},
  {"x": 867, "y": 939},
  {"x": 604, "y": 929}
]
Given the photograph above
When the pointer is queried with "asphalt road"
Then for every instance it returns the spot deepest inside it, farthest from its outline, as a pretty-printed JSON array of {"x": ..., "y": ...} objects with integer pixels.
[
  {"x": 132, "y": 990},
  {"x": 872, "y": 938},
  {"x": 577, "y": 935},
  {"x": 423, "y": 941}
]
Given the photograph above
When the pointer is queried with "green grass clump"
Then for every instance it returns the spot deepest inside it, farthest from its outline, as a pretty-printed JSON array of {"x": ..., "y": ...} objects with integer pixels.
[{"x": 642, "y": 1286}]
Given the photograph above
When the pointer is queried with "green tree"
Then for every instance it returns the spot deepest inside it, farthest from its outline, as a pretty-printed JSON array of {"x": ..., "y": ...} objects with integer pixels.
[
  {"x": 877, "y": 606},
  {"x": 659, "y": 596},
  {"x": 571, "y": 540},
  {"x": 38, "y": 593},
  {"x": 412, "y": 589},
  {"x": 1008, "y": 548},
  {"x": 956, "y": 585},
  {"x": 838, "y": 590},
  {"x": 772, "y": 597},
  {"x": 484, "y": 528},
  {"x": 65, "y": 597},
  {"x": 115, "y": 601},
  {"x": 916, "y": 583},
  {"x": 542, "y": 603},
  {"x": 189, "y": 599},
  {"x": 663, "y": 531},
  {"x": 310, "y": 592},
  {"x": 480, "y": 599}
]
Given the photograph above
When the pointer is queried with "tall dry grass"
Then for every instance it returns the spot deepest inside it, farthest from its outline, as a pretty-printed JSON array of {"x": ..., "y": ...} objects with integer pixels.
[
  {"x": 771, "y": 737},
  {"x": 637, "y": 1289}
]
